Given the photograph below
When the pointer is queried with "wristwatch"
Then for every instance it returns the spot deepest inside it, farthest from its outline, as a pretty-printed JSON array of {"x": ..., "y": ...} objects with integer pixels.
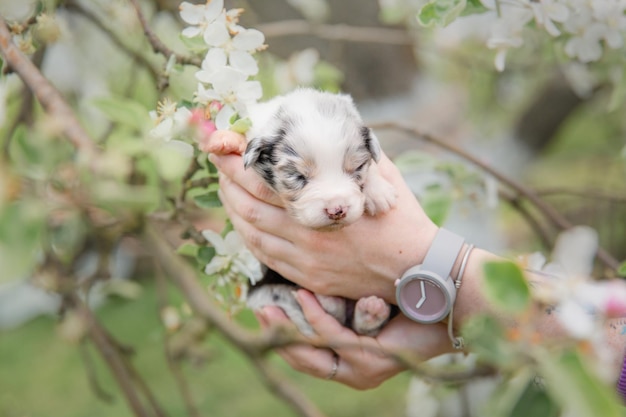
[{"x": 426, "y": 293}]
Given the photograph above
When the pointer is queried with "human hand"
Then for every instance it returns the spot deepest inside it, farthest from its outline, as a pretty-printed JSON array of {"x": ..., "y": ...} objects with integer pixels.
[
  {"x": 362, "y": 362},
  {"x": 359, "y": 260}
]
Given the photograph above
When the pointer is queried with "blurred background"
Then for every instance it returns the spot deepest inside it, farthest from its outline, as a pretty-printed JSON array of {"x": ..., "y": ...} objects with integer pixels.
[{"x": 535, "y": 122}]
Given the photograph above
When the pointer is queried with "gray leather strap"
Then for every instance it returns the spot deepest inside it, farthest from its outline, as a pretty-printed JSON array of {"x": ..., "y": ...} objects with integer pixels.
[{"x": 443, "y": 252}]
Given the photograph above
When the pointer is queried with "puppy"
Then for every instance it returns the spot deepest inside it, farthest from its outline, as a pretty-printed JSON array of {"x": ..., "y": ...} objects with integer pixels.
[{"x": 313, "y": 150}]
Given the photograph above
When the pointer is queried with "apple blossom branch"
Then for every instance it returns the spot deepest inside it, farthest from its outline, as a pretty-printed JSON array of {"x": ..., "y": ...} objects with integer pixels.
[
  {"x": 49, "y": 97},
  {"x": 136, "y": 55},
  {"x": 546, "y": 209},
  {"x": 254, "y": 346},
  {"x": 158, "y": 45}
]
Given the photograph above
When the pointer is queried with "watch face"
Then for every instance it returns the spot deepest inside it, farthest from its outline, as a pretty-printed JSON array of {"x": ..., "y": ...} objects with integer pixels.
[{"x": 423, "y": 300}]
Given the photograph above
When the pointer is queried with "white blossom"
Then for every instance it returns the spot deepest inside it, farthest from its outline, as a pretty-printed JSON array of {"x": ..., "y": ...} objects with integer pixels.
[
  {"x": 547, "y": 12},
  {"x": 208, "y": 20},
  {"x": 506, "y": 31},
  {"x": 171, "y": 121},
  {"x": 580, "y": 302},
  {"x": 236, "y": 52},
  {"x": 231, "y": 254},
  {"x": 298, "y": 70},
  {"x": 232, "y": 88}
]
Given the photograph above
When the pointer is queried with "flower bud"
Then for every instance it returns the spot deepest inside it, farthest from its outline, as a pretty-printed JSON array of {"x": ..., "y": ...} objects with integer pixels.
[{"x": 47, "y": 30}]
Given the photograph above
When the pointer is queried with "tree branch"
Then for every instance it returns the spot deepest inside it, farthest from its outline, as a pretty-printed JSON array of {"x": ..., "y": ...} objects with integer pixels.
[
  {"x": 546, "y": 209},
  {"x": 137, "y": 56},
  {"x": 251, "y": 344},
  {"x": 156, "y": 43},
  {"x": 112, "y": 357},
  {"x": 49, "y": 97}
]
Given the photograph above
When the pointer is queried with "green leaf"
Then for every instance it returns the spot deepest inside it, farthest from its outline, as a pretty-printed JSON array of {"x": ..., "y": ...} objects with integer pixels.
[
  {"x": 208, "y": 200},
  {"x": 188, "y": 249},
  {"x": 436, "y": 204},
  {"x": 172, "y": 164},
  {"x": 241, "y": 125},
  {"x": 115, "y": 195},
  {"x": 124, "y": 111},
  {"x": 621, "y": 270},
  {"x": 486, "y": 337},
  {"x": 205, "y": 254},
  {"x": 508, "y": 393},
  {"x": 440, "y": 12},
  {"x": 22, "y": 149},
  {"x": 505, "y": 286},
  {"x": 473, "y": 7},
  {"x": 67, "y": 238},
  {"x": 535, "y": 401},
  {"x": 22, "y": 226},
  {"x": 574, "y": 386},
  {"x": 195, "y": 44},
  {"x": 415, "y": 161}
]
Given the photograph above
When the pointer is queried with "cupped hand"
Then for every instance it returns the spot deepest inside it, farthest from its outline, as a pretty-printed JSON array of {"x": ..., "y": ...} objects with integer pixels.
[
  {"x": 362, "y": 362},
  {"x": 359, "y": 260}
]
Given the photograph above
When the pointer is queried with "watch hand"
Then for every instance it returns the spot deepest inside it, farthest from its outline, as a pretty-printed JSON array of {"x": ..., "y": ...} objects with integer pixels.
[{"x": 423, "y": 299}]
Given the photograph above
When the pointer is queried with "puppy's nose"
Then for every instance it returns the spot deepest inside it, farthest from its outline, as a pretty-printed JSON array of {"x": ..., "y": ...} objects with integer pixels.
[{"x": 336, "y": 213}]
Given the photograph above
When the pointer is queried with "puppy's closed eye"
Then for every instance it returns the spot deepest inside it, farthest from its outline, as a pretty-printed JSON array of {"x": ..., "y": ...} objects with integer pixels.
[{"x": 294, "y": 178}]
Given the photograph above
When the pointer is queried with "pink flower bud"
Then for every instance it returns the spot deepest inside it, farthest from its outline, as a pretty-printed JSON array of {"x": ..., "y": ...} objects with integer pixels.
[
  {"x": 215, "y": 106},
  {"x": 615, "y": 302},
  {"x": 197, "y": 116}
]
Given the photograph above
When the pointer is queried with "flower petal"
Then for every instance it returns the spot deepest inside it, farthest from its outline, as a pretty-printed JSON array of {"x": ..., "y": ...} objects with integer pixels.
[
  {"x": 191, "y": 13},
  {"x": 191, "y": 31},
  {"x": 244, "y": 62},
  {"x": 233, "y": 243},
  {"x": 214, "y": 59},
  {"x": 213, "y": 9},
  {"x": 248, "y": 40},
  {"x": 217, "y": 264},
  {"x": 216, "y": 34},
  {"x": 249, "y": 91},
  {"x": 222, "y": 120},
  {"x": 216, "y": 240}
]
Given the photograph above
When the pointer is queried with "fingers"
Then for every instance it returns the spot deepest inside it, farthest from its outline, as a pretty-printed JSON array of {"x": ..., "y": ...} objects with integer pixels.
[
  {"x": 303, "y": 358},
  {"x": 232, "y": 166}
]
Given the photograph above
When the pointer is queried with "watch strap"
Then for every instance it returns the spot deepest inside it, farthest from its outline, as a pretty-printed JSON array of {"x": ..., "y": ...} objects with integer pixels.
[{"x": 443, "y": 252}]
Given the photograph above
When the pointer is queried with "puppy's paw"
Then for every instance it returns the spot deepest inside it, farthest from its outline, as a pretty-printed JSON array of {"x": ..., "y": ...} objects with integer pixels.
[
  {"x": 380, "y": 196},
  {"x": 370, "y": 314}
]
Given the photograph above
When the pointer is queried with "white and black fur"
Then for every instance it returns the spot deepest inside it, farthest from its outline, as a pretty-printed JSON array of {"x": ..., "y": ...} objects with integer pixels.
[{"x": 314, "y": 151}]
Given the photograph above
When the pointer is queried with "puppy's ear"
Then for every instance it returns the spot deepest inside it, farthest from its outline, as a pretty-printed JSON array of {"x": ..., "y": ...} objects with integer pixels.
[
  {"x": 259, "y": 154},
  {"x": 371, "y": 143}
]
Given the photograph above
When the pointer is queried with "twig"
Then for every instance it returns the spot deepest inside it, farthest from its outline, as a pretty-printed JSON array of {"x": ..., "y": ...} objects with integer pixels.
[
  {"x": 135, "y": 55},
  {"x": 92, "y": 377},
  {"x": 547, "y": 210},
  {"x": 252, "y": 344},
  {"x": 339, "y": 32},
  {"x": 156, "y": 43},
  {"x": 594, "y": 194},
  {"x": 534, "y": 224},
  {"x": 173, "y": 365},
  {"x": 287, "y": 392},
  {"x": 49, "y": 97},
  {"x": 112, "y": 357}
]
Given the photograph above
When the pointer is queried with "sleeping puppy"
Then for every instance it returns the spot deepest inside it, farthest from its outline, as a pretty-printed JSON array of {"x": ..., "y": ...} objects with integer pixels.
[{"x": 313, "y": 150}]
